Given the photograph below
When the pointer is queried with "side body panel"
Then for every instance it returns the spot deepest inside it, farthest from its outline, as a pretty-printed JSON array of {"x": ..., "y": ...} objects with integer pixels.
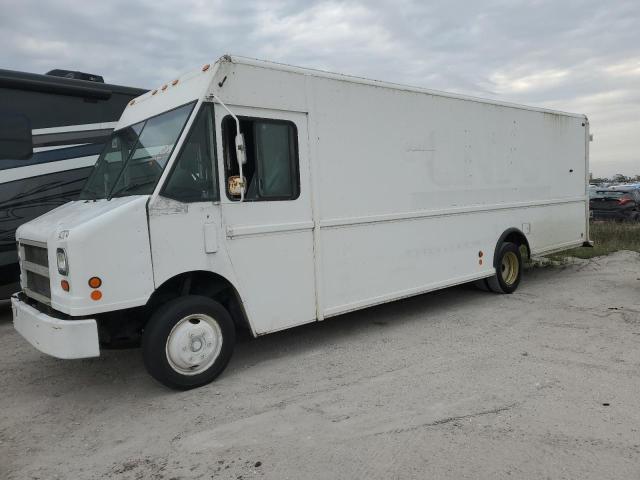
[
  {"x": 270, "y": 243},
  {"x": 263, "y": 248},
  {"x": 408, "y": 187},
  {"x": 413, "y": 186}
]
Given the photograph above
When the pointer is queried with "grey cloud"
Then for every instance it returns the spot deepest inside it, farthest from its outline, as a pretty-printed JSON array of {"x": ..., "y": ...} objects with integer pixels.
[{"x": 581, "y": 56}]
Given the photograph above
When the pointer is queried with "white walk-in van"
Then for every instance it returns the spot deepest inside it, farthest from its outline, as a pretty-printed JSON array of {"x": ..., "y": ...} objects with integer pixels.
[{"x": 249, "y": 194}]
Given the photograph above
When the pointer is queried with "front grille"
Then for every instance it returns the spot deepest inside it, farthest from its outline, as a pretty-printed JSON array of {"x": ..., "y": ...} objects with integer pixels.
[
  {"x": 37, "y": 255},
  {"x": 38, "y": 284},
  {"x": 34, "y": 264}
]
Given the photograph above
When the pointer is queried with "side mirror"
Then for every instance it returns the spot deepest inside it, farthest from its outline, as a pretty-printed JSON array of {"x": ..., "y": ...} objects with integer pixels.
[
  {"x": 15, "y": 137},
  {"x": 235, "y": 184},
  {"x": 241, "y": 151}
]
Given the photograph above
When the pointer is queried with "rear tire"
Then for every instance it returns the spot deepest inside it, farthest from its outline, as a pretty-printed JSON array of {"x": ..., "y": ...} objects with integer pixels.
[
  {"x": 508, "y": 269},
  {"x": 188, "y": 342}
]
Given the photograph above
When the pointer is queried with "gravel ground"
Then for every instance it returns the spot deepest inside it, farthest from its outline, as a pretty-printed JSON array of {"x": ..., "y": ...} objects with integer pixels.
[{"x": 455, "y": 384}]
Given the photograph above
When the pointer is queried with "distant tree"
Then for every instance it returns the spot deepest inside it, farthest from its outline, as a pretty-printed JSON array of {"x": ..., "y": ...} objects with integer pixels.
[{"x": 619, "y": 178}]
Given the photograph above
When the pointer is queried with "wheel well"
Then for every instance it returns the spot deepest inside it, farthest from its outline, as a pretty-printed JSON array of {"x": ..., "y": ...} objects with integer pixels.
[
  {"x": 512, "y": 235},
  {"x": 207, "y": 284}
]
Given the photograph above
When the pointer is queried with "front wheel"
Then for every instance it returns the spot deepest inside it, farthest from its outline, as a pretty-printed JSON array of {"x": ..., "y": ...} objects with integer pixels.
[
  {"x": 188, "y": 342},
  {"x": 508, "y": 269}
]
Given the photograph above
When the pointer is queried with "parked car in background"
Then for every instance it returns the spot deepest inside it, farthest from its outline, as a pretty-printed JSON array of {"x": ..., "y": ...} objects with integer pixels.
[
  {"x": 626, "y": 186},
  {"x": 623, "y": 205}
]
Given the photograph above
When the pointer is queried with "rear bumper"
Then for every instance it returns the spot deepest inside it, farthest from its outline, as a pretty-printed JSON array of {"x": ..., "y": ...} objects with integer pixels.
[{"x": 59, "y": 338}]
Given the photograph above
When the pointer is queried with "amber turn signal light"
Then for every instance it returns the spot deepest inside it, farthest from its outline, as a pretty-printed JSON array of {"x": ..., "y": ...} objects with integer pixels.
[
  {"x": 65, "y": 285},
  {"x": 95, "y": 282},
  {"x": 96, "y": 295}
]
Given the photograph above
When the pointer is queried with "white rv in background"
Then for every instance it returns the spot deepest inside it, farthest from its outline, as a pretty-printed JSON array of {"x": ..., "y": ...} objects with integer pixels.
[{"x": 259, "y": 195}]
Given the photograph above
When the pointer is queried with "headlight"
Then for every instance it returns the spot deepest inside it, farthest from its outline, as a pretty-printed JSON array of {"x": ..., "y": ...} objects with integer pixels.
[{"x": 63, "y": 264}]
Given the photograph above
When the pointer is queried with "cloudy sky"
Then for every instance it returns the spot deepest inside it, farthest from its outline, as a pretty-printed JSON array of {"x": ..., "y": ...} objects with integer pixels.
[{"x": 572, "y": 55}]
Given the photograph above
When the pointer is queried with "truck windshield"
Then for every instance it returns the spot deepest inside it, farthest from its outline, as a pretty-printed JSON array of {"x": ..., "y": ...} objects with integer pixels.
[{"x": 134, "y": 157}]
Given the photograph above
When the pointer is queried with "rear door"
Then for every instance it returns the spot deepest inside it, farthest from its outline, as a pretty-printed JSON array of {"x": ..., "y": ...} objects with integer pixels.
[{"x": 269, "y": 235}]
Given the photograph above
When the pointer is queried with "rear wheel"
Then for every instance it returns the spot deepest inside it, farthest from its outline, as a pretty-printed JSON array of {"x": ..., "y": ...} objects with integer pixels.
[
  {"x": 188, "y": 342},
  {"x": 508, "y": 269}
]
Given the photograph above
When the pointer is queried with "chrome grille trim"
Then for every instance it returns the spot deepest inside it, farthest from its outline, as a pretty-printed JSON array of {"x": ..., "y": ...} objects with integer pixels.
[
  {"x": 32, "y": 243},
  {"x": 36, "y": 296},
  {"x": 39, "y": 269},
  {"x": 34, "y": 267},
  {"x": 37, "y": 255}
]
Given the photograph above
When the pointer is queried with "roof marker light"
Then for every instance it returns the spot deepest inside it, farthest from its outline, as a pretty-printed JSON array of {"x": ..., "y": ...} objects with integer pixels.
[
  {"x": 154, "y": 92},
  {"x": 164, "y": 87},
  {"x": 132, "y": 102},
  {"x": 205, "y": 67},
  {"x": 175, "y": 82}
]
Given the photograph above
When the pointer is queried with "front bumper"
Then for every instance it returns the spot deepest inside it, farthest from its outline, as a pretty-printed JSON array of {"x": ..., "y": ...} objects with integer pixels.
[{"x": 59, "y": 338}]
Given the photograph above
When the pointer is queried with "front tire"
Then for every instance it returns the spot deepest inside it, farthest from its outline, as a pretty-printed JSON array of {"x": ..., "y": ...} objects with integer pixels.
[
  {"x": 188, "y": 342},
  {"x": 508, "y": 269}
]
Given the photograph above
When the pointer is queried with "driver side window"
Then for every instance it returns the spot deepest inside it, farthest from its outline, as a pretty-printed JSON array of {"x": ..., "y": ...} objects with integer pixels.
[
  {"x": 271, "y": 171},
  {"x": 194, "y": 175}
]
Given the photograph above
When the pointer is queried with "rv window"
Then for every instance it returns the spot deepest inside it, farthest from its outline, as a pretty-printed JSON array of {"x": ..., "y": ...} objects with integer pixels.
[
  {"x": 271, "y": 171},
  {"x": 194, "y": 178}
]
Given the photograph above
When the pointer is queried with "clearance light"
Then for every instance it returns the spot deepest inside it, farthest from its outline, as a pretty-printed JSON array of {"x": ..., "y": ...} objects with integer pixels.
[
  {"x": 154, "y": 92},
  {"x": 175, "y": 82},
  {"x": 164, "y": 87},
  {"x": 96, "y": 295},
  {"x": 205, "y": 67},
  {"x": 132, "y": 102},
  {"x": 95, "y": 282},
  {"x": 65, "y": 285}
]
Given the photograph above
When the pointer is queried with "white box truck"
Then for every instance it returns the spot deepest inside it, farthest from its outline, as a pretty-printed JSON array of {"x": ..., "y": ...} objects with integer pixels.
[{"x": 259, "y": 195}]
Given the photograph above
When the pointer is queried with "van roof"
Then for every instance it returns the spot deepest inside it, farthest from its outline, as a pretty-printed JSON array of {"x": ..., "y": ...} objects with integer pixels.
[
  {"x": 175, "y": 92},
  {"x": 379, "y": 83}
]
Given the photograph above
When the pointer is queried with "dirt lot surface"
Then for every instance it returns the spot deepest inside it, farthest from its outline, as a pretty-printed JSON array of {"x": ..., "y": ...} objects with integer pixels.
[{"x": 544, "y": 383}]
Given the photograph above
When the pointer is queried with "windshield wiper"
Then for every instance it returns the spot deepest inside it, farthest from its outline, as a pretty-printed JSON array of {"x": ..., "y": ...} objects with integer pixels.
[
  {"x": 126, "y": 188},
  {"x": 92, "y": 194}
]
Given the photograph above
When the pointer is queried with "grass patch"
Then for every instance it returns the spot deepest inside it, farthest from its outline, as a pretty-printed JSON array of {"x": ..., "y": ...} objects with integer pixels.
[{"x": 608, "y": 237}]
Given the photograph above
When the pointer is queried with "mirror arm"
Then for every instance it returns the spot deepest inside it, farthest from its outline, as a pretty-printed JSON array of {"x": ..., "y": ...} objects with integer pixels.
[{"x": 233, "y": 115}]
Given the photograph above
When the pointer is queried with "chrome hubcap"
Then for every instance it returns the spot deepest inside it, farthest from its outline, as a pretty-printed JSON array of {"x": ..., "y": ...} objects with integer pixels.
[{"x": 194, "y": 344}]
